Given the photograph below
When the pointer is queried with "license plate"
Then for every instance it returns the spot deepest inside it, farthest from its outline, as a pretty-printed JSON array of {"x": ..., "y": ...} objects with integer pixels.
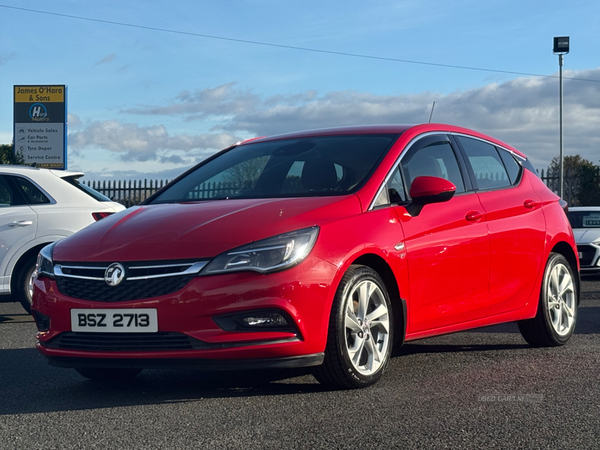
[{"x": 114, "y": 320}]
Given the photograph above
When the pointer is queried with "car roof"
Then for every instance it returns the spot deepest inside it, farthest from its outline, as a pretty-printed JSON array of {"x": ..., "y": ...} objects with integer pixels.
[
  {"x": 31, "y": 171},
  {"x": 386, "y": 129},
  {"x": 362, "y": 129}
]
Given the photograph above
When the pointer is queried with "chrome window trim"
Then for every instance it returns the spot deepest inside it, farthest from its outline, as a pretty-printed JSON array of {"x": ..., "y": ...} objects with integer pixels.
[
  {"x": 519, "y": 161},
  {"x": 193, "y": 268},
  {"x": 414, "y": 140},
  {"x": 490, "y": 143}
]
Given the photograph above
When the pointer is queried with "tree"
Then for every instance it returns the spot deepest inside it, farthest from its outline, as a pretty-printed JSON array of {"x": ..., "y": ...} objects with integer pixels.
[
  {"x": 8, "y": 157},
  {"x": 245, "y": 174},
  {"x": 576, "y": 169},
  {"x": 589, "y": 186}
]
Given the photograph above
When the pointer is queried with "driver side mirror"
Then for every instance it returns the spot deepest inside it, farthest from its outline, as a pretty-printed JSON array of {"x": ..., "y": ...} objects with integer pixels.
[{"x": 425, "y": 190}]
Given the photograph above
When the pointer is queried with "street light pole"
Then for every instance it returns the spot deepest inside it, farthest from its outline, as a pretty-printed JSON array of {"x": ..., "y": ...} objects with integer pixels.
[
  {"x": 561, "y": 48},
  {"x": 560, "y": 132}
]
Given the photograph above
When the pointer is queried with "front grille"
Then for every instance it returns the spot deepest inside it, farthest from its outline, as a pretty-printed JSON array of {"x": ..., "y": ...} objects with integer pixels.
[
  {"x": 587, "y": 254},
  {"x": 122, "y": 342},
  {"x": 140, "y": 281},
  {"x": 99, "y": 291}
]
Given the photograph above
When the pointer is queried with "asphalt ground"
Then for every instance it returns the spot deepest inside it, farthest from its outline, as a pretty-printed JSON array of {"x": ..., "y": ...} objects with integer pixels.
[{"x": 479, "y": 389}]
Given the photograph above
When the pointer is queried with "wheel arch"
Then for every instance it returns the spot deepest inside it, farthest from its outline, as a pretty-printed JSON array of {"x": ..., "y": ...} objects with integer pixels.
[
  {"x": 32, "y": 252},
  {"x": 566, "y": 250},
  {"x": 379, "y": 265}
]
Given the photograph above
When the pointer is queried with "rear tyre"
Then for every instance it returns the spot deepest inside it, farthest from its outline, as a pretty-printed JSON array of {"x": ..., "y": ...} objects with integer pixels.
[
  {"x": 556, "y": 316},
  {"x": 107, "y": 374},
  {"x": 360, "y": 336},
  {"x": 22, "y": 288}
]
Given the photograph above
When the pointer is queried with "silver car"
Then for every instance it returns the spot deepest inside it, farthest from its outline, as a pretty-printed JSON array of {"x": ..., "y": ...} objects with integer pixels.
[{"x": 585, "y": 221}]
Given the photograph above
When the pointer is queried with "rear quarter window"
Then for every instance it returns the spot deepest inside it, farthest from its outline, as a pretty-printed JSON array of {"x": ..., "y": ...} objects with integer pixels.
[
  {"x": 86, "y": 189},
  {"x": 513, "y": 168}
]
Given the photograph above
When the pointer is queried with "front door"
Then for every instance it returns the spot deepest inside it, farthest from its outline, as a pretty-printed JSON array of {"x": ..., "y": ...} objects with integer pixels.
[{"x": 447, "y": 244}]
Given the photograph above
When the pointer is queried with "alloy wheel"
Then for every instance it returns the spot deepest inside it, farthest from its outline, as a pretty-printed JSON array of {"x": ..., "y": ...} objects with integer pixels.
[
  {"x": 561, "y": 300},
  {"x": 367, "y": 327}
]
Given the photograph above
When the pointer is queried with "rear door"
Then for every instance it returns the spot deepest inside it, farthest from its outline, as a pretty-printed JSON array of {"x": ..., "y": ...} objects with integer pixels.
[{"x": 515, "y": 220}]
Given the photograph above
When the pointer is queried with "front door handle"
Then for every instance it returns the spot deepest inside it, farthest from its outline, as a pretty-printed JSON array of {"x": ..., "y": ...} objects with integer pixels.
[
  {"x": 474, "y": 216},
  {"x": 20, "y": 223}
]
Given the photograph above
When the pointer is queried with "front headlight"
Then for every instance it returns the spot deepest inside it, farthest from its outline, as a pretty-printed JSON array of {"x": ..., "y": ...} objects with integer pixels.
[
  {"x": 44, "y": 265},
  {"x": 268, "y": 255}
]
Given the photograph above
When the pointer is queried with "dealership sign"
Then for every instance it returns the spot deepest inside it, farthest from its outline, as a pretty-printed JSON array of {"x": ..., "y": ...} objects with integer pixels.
[{"x": 40, "y": 118}]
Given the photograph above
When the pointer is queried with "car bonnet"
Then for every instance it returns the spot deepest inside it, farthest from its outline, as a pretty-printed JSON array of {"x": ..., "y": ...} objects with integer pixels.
[{"x": 197, "y": 230}]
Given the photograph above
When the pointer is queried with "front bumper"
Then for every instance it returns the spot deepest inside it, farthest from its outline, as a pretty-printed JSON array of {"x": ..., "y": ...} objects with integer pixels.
[
  {"x": 589, "y": 258},
  {"x": 303, "y": 293}
]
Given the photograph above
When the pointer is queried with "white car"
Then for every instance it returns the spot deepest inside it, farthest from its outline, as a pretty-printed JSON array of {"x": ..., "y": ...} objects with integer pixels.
[
  {"x": 585, "y": 221},
  {"x": 37, "y": 207}
]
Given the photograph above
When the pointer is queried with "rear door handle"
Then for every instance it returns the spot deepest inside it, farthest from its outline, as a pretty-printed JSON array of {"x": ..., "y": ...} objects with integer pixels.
[
  {"x": 531, "y": 204},
  {"x": 20, "y": 223},
  {"x": 474, "y": 216}
]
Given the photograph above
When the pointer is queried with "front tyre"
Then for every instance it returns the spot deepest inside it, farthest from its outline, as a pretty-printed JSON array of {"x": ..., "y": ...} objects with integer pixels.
[
  {"x": 360, "y": 337},
  {"x": 556, "y": 316}
]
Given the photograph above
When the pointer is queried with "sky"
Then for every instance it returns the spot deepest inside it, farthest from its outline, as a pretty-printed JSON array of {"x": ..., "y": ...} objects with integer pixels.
[{"x": 155, "y": 87}]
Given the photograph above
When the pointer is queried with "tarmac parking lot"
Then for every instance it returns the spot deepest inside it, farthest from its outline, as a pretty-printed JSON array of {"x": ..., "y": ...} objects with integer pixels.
[{"x": 484, "y": 388}]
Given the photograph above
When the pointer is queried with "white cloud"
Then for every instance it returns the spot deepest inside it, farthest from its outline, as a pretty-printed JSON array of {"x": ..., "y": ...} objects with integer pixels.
[
  {"x": 201, "y": 103},
  {"x": 73, "y": 121},
  {"x": 137, "y": 143},
  {"x": 522, "y": 112}
]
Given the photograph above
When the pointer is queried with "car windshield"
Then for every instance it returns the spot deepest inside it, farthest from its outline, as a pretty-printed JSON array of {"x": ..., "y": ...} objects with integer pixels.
[
  {"x": 584, "y": 219},
  {"x": 312, "y": 166}
]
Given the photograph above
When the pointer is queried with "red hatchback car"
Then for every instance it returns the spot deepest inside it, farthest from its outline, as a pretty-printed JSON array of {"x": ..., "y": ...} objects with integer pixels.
[{"x": 321, "y": 248}]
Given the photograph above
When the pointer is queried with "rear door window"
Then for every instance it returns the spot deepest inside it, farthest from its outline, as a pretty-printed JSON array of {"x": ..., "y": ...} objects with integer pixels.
[
  {"x": 31, "y": 192},
  {"x": 5, "y": 193},
  {"x": 486, "y": 163},
  {"x": 10, "y": 192}
]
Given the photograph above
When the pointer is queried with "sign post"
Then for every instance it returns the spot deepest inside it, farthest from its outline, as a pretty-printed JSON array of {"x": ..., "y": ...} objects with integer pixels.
[{"x": 40, "y": 125}]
